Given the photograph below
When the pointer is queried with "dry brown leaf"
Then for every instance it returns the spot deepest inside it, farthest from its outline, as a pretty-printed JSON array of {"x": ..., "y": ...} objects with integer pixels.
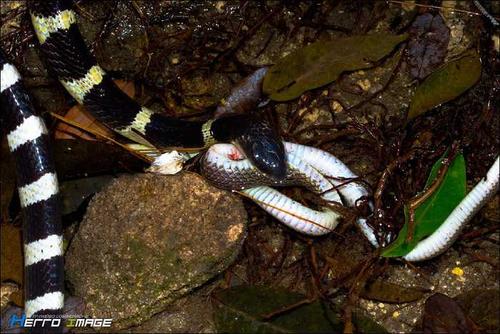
[{"x": 81, "y": 116}]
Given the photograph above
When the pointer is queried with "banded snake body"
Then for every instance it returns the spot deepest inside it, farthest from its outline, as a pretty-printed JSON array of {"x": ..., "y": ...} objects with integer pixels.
[{"x": 264, "y": 159}]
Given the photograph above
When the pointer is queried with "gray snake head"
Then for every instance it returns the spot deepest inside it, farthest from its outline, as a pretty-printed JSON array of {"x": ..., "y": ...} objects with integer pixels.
[{"x": 257, "y": 139}]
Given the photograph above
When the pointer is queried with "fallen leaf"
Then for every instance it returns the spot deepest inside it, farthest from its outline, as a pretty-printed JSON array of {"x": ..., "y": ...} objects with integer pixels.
[
  {"x": 81, "y": 116},
  {"x": 387, "y": 292},
  {"x": 364, "y": 324},
  {"x": 322, "y": 62},
  {"x": 433, "y": 211},
  {"x": 81, "y": 158},
  {"x": 482, "y": 306},
  {"x": 444, "y": 315},
  {"x": 427, "y": 45},
  {"x": 445, "y": 84},
  {"x": 242, "y": 309}
]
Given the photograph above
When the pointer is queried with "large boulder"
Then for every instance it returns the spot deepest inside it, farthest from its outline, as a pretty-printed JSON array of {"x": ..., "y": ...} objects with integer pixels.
[{"x": 147, "y": 240}]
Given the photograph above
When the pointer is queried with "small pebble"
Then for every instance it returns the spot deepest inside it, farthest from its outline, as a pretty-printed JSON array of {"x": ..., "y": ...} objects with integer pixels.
[
  {"x": 364, "y": 84},
  {"x": 457, "y": 271},
  {"x": 336, "y": 107}
]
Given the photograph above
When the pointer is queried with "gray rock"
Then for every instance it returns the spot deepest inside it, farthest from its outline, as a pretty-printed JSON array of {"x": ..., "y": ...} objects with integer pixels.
[{"x": 147, "y": 240}]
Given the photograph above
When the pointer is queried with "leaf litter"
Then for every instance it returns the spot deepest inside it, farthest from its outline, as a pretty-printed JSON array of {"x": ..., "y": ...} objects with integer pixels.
[
  {"x": 428, "y": 44},
  {"x": 322, "y": 62},
  {"x": 446, "y": 83}
]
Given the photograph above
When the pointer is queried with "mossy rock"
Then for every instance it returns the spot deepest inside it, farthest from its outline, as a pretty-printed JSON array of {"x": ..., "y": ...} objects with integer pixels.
[{"x": 147, "y": 240}]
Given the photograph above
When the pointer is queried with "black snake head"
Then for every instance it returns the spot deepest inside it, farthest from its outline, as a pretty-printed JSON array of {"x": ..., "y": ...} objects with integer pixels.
[
  {"x": 257, "y": 139},
  {"x": 265, "y": 150}
]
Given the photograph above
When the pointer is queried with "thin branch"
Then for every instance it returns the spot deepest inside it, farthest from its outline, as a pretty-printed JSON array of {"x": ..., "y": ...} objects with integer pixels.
[
  {"x": 437, "y": 7},
  {"x": 101, "y": 135}
]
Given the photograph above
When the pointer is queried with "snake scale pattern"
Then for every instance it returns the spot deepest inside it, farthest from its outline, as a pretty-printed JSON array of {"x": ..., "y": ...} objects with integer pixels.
[
  {"x": 68, "y": 57},
  {"x": 28, "y": 141}
]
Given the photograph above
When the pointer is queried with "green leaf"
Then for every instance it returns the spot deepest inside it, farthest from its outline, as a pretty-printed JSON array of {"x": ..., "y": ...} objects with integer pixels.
[
  {"x": 322, "y": 62},
  {"x": 433, "y": 212},
  {"x": 446, "y": 83},
  {"x": 241, "y": 309}
]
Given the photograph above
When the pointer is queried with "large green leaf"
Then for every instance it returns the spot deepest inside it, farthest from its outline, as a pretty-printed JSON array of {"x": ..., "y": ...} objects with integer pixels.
[
  {"x": 433, "y": 212},
  {"x": 241, "y": 309},
  {"x": 446, "y": 83},
  {"x": 322, "y": 62}
]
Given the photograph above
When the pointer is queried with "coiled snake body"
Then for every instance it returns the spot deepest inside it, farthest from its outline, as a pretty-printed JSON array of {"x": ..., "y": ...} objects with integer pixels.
[{"x": 62, "y": 44}]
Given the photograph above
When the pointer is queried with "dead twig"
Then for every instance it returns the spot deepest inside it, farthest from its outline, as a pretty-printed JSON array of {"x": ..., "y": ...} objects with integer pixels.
[
  {"x": 103, "y": 136},
  {"x": 288, "y": 308},
  {"x": 420, "y": 198},
  {"x": 453, "y": 9}
]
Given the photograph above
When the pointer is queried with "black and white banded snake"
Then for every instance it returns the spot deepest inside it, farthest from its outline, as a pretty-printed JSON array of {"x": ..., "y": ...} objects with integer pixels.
[{"x": 61, "y": 42}]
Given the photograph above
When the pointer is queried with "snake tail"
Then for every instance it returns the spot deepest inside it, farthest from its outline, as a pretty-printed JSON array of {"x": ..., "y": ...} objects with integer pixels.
[{"x": 441, "y": 239}]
